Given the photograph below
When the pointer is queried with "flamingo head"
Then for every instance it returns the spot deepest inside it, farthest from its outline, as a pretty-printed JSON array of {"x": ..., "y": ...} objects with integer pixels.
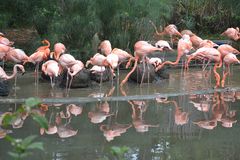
[
  {"x": 45, "y": 41},
  {"x": 1, "y": 34},
  {"x": 22, "y": 69}
]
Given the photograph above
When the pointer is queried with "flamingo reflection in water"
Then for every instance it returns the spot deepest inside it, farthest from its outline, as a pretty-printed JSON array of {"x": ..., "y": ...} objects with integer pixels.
[
  {"x": 102, "y": 109},
  {"x": 181, "y": 117},
  {"x": 64, "y": 130},
  {"x": 139, "y": 107},
  {"x": 220, "y": 113}
]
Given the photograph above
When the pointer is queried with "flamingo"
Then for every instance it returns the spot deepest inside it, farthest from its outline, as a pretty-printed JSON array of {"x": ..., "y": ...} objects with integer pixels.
[
  {"x": 17, "y": 56},
  {"x": 73, "y": 70},
  {"x": 105, "y": 47},
  {"x": 230, "y": 58},
  {"x": 3, "y": 52},
  {"x": 163, "y": 44},
  {"x": 52, "y": 69},
  {"x": 226, "y": 49},
  {"x": 232, "y": 33},
  {"x": 98, "y": 59},
  {"x": 40, "y": 55},
  {"x": 97, "y": 69},
  {"x": 4, "y": 76},
  {"x": 196, "y": 41},
  {"x": 155, "y": 61},
  {"x": 141, "y": 49},
  {"x": 170, "y": 30},
  {"x": 210, "y": 54},
  {"x": 208, "y": 43},
  {"x": 123, "y": 56},
  {"x": 184, "y": 47},
  {"x": 59, "y": 49},
  {"x": 4, "y": 40},
  {"x": 65, "y": 60}
]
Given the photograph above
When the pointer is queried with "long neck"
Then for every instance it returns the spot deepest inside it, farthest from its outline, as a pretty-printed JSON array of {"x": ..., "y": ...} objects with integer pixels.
[
  {"x": 47, "y": 43},
  {"x": 169, "y": 62},
  {"x": 156, "y": 31},
  {"x": 14, "y": 72}
]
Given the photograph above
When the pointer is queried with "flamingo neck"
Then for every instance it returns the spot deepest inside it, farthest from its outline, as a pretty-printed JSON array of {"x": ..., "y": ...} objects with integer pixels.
[{"x": 14, "y": 72}]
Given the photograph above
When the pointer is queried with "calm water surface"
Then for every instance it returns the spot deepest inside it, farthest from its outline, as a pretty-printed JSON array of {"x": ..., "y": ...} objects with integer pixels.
[{"x": 189, "y": 126}]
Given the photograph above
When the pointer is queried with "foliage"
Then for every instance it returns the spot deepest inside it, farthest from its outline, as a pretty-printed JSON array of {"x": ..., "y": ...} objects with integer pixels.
[
  {"x": 206, "y": 16},
  {"x": 21, "y": 147}
]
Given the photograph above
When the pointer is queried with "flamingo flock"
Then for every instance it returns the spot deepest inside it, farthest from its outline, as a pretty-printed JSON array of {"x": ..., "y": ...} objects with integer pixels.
[{"x": 58, "y": 60}]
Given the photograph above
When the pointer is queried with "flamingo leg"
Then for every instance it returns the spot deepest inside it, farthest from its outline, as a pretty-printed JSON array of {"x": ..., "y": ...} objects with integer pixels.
[
  {"x": 128, "y": 75},
  {"x": 217, "y": 76},
  {"x": 226, "y": 72},
  {"x": 70, "y": 83},
  {"x": 36, "y": 73},
  {"x": 144, "y": 70},
  {"x": 51, "y": 82},
  {"x": 67, "y": 81}
]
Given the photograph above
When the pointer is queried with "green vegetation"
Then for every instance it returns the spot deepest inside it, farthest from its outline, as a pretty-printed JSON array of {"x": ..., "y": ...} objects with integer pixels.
[
  {"x": 81, "y": 24},
  {"x": 22, "y": 147}
]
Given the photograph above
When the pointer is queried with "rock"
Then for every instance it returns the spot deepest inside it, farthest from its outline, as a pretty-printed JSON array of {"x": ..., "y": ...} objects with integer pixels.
[
  {"x": 106, "y": 76},
  {"x": 136, "y": 76},
  {"x": 80, "y": 80},
  {"x": 4, "y": 88},
  {"x": 163, "y": 73}
]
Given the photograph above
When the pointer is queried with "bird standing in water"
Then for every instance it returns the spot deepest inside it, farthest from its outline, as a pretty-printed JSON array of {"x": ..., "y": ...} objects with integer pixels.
[{"x": 141, "y": 50}]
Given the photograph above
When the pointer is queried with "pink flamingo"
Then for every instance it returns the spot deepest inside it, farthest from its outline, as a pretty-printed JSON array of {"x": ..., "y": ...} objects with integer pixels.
[
  {"x": 3, "y": 52},
  {"x": 211, "y": 54},
  {"x": 65, "y": 60},
  {"x": 72, "y": 71},
  {"x": 230, "y": 58},
  {"x": 141, "y": 49},
  {"x": 17, "y": 56},
  {"x": 232, "y": 33},
  {"x": 4, "y": 76},
  {"x": 226, "y": 49},
  {"x": 4, "y": 40},
  {"x": 170, "y": 30},
  {"x": 184, "y": 47},
  {"x": 52, "y": 69},
  {"x": 40, "y": 55},
  {"x": 105, "y": 47}
]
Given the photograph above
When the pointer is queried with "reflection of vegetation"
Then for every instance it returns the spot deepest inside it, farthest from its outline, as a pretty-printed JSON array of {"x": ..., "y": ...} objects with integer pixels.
[
  {"x": 22, "y": 146},
  {"x": 116, "y": 153}
]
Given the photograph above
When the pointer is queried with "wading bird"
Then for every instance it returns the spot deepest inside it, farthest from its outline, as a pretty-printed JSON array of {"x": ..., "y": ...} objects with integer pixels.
[
  {"x": 52, "y": 69},
  {"x": 210, "y": 54},
  {"x": 232, "y": 33},
  {"x": 184, "y": 47},
  {"x": 170, "y": 30},
  {"x": 141, "y": 50},
  {"x": 105, "y": 47}
]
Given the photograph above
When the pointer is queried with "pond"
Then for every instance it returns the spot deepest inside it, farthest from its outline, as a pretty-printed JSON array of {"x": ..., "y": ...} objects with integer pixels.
[{"x": 179, "y": 118}]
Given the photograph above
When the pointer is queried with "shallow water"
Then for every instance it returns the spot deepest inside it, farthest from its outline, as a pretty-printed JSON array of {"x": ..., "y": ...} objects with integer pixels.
[{"x": 185, "y": 126}]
